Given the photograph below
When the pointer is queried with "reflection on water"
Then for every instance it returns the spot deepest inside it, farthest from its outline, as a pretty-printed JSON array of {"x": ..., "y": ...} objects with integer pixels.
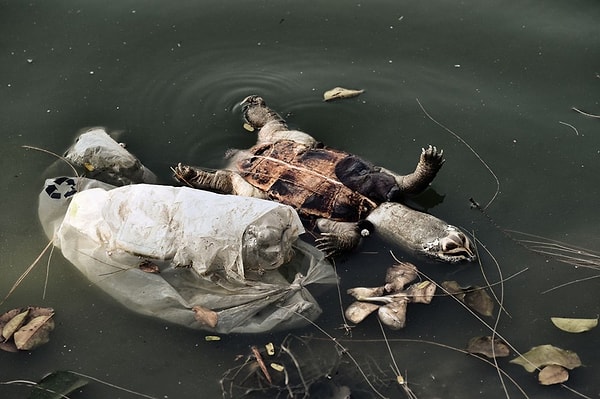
[{"x": 170, "y": 76}]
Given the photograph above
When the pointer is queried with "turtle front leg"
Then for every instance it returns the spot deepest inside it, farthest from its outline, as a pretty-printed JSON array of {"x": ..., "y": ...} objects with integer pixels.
[
  {"x": 430, "y": 162},
  {"x": 338, "y": 237},
  {"x": 220, "y": 181}
]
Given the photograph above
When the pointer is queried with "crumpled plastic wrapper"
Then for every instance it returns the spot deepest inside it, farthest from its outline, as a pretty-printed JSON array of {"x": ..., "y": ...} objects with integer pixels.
[{"x": 236, "y": 258}]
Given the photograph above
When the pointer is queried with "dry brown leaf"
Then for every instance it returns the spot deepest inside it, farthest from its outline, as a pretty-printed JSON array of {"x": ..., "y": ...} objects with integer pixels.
[
  {"x": 573, "y": 325},
  {"x": 148, "y": 266},
  {"x": 545, "y": 355},
  {"x": 483, "y": 346},
  {"x": 479, "y": 300},
  {"x": 422, "y": 292},
  {"x": 359, "y": 293},
  {"x": 398, "y": 276},
  {"x": 358, "y": 311},
  {"x": 206, "y": 316},
  {"x": 35, "y": 333},
  {"x": 393, "y": 314},
  {"x": 14, "y": 323},
  {"x": 474, "y": 297},
  {"x": 340, "y": 92},
  {"x": 553, "y": 375}
]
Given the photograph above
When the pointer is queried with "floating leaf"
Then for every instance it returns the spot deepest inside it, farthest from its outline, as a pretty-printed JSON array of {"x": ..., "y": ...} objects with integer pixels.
[
  {"x": 277, "y": 366},
  {"x": 57, "y": 385},
  {"x": 483, "y": 346},
  {"x": 454, "y": 289},
  {"x": 14, "y": 323},
  {"x": 422, "y": 292},
  {"x": 212, "y": 338},
  {"x": 34, "y": 333},
  {"x": 359, "y": 293},
  {"x": 270, "y": 348},
  {"x": 574, "y": 325},
  {"x": 393, "y": 314},
  {"x": 340, "y": 92},
  {"x": 398, "y": 276},
  {"x": 206, "y": 316},
  {"x": 248, "y": 127},
  {"x": 545, "y": 355},
  {"x": 358, "y": 311},
  {"x": 553, "y": 375}
]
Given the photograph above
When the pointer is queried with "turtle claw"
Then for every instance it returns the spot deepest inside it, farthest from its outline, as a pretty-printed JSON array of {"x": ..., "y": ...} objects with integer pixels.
[
  {"x": 330, "y": 244},
  {"x": 431, "y": 156}
]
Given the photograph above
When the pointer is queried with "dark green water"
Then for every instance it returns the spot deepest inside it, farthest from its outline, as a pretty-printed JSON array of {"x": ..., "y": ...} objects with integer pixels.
[{"x": 502, "y": 75}]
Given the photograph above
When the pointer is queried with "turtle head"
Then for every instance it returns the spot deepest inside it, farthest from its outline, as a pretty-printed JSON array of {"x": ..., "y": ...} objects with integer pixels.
[
  {"x": 453, "y": 246},
  {"x": 256, "y": 113},
  {"x": 421, "y": 233}
]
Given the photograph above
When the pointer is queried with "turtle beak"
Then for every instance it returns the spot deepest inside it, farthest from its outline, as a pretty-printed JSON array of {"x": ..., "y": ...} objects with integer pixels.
[{"x": 247, "y": 100}]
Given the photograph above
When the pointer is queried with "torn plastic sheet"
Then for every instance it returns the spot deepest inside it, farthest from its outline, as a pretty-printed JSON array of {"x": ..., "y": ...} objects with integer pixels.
[{"x": 237, "y": 249}]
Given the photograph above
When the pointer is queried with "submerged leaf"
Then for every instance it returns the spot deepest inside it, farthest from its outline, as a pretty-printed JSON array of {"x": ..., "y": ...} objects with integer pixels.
[
  {"x": 483, "y": 346},
  {"x": 57, "y": 385},
  {"x": 340, "y": 92},
  {"x": 553, "y": 375},
  {"x": 574, "y": 325},
  {"x": 479, "y": 300},
  {"x": 474, "y": 297},
  {"x": 545, "y": 355}
]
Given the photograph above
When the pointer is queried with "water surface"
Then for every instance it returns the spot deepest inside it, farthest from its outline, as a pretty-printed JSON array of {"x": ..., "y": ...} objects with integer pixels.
[{"x": 502, "y": 75}]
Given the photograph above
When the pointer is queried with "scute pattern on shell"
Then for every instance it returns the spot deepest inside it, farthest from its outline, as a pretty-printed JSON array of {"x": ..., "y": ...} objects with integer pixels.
[{"x": 304, "y": 178}]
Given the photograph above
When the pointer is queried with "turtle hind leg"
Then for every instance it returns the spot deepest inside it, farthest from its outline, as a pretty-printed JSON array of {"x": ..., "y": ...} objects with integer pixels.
[{"x": 338, "y": 237}]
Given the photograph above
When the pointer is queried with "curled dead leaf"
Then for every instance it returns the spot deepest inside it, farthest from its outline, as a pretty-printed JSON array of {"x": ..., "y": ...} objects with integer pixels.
[
  {"x": 553, "y": 374},
  {"x": 340, "y": 92},
  {"x": 270, "y": 348},
  {"x": 483, "y": 346},
  {"x": 14, "y": 323},
  {"x": 25, "y": 328},
  {"x": 545, "y": 355},
  {"x": 573, "y": 325},
  {"x": 398, "y": 276},
  {"x": 474, "y": 297},
  {"x": 149, "y": 267},
  {"x": 358, "y": 311},
  {"x": 35, "y": 333},
  {"x": 206, "y": 316},
  {"x": 359, "y": 293},
  {"x": 422, "y": 292},
  {"x": 393, "y": 314}
]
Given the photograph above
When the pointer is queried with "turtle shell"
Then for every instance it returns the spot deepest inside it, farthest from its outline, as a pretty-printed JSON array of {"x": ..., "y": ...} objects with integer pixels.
[{"x": 304, "y": 178}]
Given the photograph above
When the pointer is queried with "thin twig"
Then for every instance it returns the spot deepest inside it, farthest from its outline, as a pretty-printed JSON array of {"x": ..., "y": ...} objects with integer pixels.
[
  {"x": 585, "y": 113},
  {"x": 470, "y": 148},
  {"x": 26, "y": 272},
  {"x": 571, "y": 126}
]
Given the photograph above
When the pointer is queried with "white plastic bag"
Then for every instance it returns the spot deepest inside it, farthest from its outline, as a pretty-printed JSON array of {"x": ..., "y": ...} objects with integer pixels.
[
  {"x": 104, "y": 159},
  {"x": 234, "y": 248}
]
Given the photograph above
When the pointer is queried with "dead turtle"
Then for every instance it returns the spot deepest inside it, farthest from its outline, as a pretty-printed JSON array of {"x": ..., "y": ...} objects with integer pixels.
[{"x": 344, "y": 196}]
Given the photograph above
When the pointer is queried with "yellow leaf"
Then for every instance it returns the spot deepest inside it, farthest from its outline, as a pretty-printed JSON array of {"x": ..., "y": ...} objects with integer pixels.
[
  {"x": 340, "y": 92},
  {"x": 277, "y": 366},
  {"x": 270, "y": 348},
  {"x": 574, "y": 325}
]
